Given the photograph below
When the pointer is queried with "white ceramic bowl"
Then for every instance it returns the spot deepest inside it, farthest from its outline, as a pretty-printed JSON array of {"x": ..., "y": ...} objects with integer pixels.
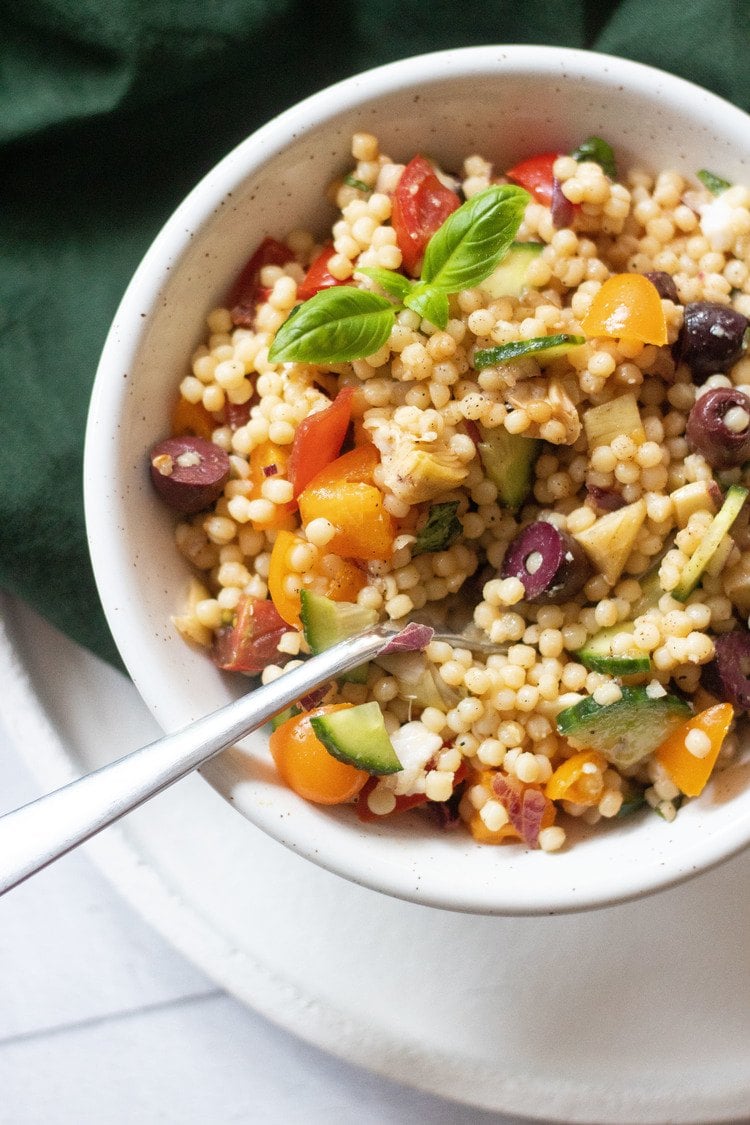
[{"x": 505, "y": 102}]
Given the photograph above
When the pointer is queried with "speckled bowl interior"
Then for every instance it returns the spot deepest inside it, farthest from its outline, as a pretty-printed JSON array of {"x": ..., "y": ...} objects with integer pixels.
[{"x": 505, "y": 102}]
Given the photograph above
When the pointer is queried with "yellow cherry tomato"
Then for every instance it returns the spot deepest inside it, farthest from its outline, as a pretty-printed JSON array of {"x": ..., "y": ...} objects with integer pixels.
[
  {"x": 344, "y": 494},
  {"x": 689, "y": 772},
  {"x": 331, "y": 576},
  {"x": 627, "y": 307},
  {"x": 306, "y": 766},
  {"x": 579, "y": 779}
]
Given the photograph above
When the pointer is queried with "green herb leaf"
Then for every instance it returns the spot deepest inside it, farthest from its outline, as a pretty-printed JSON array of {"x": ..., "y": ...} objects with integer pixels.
[
  {"x": 600, "y": 152},
  {"x": 360, "y": 185},
  {"x": 633, "y": 803},
  {"x": 390, "y": 281},
  {"x": 335, "y": 326},
  {"x": 443, "y": 527},
  {"x": 472, "y": 241},
  {"x": 430, "y": 303},
  {"x": 549, "y": 347},
  {"x": 714, "y": 183}
]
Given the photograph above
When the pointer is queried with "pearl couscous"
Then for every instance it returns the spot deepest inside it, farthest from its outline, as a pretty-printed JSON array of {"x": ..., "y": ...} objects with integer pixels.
[{"x": 560, "y": 447}]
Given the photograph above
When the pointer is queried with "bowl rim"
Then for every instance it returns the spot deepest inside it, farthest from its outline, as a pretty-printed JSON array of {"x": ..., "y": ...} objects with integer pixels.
[{"x": 125, "y": 338}]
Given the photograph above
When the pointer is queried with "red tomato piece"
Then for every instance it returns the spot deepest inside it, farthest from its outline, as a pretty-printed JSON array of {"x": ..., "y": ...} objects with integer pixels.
[
  {"x": 318, "y": 275},
  {"x": 247, "y": 291},
  {"x": 318, "y": 440},
  {"x": 535, "y": 174},
  {"x": 421, "y": 204},
  {"x": 251, "y": 644}
]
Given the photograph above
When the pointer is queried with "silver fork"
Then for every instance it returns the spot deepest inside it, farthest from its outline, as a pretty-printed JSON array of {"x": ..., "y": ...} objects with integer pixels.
[{"x": 32, "y": 836}]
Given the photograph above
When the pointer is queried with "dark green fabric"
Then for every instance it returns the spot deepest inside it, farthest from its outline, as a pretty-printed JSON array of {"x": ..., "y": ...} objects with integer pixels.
[{"x": 110, "y": 111}]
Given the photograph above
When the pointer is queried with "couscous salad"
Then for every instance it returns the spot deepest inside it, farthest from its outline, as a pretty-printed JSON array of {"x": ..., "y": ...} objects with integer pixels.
[{"x": 515, "y": 400}]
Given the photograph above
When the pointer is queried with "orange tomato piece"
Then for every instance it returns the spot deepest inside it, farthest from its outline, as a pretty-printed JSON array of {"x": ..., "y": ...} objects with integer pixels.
[
  {"x": 579, "y": 779},
  {"x": 627, "y": 307},
  {"x": 333, "y": 577},
  {"x": 192, "y": 418},
  {"x": 344, "y": 494},
  {"x": 306, "y": 766},
  {"x": 265, "y": 456},
  {"x": 688, "y": 772}
]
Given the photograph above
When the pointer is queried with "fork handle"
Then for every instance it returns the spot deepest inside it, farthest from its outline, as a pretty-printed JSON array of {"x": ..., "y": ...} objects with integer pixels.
[{"x": 34, "y": 835}]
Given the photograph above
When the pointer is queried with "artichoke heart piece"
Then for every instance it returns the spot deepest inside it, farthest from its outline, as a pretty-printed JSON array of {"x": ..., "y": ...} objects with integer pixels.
[
  {"x": 415, "y": 471},
  {"x": 421, "y": 475}
]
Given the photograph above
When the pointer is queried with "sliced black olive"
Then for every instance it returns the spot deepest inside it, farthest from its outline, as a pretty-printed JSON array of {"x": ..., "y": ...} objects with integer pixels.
[
  {"x": 664, "y": 285},
  {"x": 551, "y": 565},
  {"x": 723, "y": 444},
  {"x": 189, "y": 473},
  {"x": 727, "y": 676},
  {"x": 711, "y": 338}
]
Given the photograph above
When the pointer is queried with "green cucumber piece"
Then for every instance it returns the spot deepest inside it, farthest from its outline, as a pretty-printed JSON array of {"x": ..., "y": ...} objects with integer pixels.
[
  {"x": 357, "y": 735},
  {"x": 325, "y": 623},
  {"x": 625, "y": 732},
  {"x": 543, "y": 347},
  {"x": 283, "y": 716},
  {"x": 718, "y": 528},
  {"x": 509, "y": 278},
  {"x": 508, "y": 461},
  {"x": 597, "y": 653}
]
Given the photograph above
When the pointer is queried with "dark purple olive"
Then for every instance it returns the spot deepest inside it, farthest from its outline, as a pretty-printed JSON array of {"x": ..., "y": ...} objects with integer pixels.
[
  {"x": 723, "y": 444},
  {"x": 664, "y": 285},
  {"x": 551, "y": 565},
  {"x": 727, "y": 676},
  {"x": 189, "y": 473},
  {"x": 561, "y": 208},
  {"x": 711, "y": 338},
  {"x": 606, "y": 499}
]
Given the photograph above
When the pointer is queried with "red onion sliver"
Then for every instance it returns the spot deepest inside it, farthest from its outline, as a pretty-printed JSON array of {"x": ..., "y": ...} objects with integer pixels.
[
  {"x": 270, "y": 470},
  {"x": 561, "y": 207},
  {"x": 413, "y": 638},
  {"x": 314, "y": 698}
]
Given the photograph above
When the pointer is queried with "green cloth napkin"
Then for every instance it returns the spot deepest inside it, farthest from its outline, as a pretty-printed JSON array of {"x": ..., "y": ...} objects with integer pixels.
[{"x": 110, "y": 112}]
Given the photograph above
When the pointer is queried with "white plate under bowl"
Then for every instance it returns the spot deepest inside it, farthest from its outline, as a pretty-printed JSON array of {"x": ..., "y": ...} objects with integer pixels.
[
  {"x": 478, "y": 99},
  {"x": 633, "y": 1015}
]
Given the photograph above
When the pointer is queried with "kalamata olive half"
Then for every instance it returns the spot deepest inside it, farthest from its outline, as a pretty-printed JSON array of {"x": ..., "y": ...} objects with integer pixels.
[
  {"x": 718, "y": 426},
  {"x": 711, "y": 338},
  {"x": 727, "y": 676},
  {"x": 664, "y": 285},
  {"x": 551, "y": 565},
  {"x": 189, "y": 473}
]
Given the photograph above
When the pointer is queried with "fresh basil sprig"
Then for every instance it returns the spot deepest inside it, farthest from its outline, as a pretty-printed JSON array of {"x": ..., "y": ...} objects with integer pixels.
[
  {"x": 471, "y": 242},
  {"x": 343, "y": 323}
]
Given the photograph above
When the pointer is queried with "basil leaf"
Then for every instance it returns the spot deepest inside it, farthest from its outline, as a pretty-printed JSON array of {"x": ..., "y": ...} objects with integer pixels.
[
  {"x": 715, "y": 184},
  {"x": 394, "y": 283},
  {"x": 443, "y": 527},
  {"x": 600, "y": 152},
  {"x": 430, "y": 303},
  {"x": 470, "y": 243},
  {"x": 334, "y": 326}
]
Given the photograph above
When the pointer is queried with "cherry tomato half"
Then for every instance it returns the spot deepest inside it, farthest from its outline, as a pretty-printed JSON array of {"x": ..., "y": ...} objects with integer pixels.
[{"x": 421, "y": 204}]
